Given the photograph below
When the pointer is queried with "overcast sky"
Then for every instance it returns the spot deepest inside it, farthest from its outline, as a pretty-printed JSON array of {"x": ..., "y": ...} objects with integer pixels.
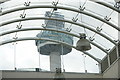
[{"x": 26, "y": 51}]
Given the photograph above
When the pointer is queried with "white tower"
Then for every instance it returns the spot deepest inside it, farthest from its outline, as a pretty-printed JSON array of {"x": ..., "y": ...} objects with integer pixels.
[{"x": 54, "y": 50}]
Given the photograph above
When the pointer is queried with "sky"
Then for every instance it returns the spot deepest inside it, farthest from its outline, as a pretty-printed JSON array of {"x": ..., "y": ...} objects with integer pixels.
[{"x": 26, "y": 51}]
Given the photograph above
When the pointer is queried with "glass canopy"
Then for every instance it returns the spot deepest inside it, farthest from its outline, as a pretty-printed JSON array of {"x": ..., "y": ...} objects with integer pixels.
[{"x": 97, "y": 21}]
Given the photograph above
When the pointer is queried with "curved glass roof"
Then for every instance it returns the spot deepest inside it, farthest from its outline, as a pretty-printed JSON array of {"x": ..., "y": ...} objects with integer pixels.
[{"x": 97, "y": 21}]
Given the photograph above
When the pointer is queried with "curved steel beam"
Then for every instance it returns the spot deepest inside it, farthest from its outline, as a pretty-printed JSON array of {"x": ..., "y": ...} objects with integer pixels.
[
  {"x": 99, "y": 47},
  {"x": 36, "y": 38},
  {"x": 27, "y": 29},
  {"x": 46, "y": 18},
  {"x": 106, "y": 5},
  {"x": 64, "y": 8},
  {"x": 47, "y": 29},
  {"x": 92, "y": 57}
]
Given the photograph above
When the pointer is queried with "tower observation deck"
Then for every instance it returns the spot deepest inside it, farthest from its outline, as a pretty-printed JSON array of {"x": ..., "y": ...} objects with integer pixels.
[{"x": 55, "y": 50}]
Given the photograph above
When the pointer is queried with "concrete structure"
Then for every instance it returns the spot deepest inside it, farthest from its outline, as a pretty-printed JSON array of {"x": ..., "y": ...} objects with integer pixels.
[
  {"x": 0, "y": 75},
  {"x": 50, "y": 48},
  {"x": 55, "y": 60},
  {"x": 113, "y": 71},
  {"x": 14, "y": 74}
]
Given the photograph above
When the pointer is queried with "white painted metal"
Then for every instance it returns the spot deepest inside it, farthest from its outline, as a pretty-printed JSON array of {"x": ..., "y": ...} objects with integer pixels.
[
  {"x": 118, "y": 31},
  {"x": 117, "y": 0}
]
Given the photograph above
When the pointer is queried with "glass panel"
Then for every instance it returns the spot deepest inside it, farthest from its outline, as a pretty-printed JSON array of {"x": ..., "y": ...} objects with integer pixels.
[
  {"x": 110, "y": 32},
  {"x": 99, "y": 40},
  {"x": 103, "y": 42},
  {"x": 79, "y": 62},
  {"x": 90, "y": 20},
  {"x": 114, "y": 18},
  {"x": 97, "y": 53},
  {"x": 94, "y": 68},
  {"x": 6, "y": 54},
  {"x": 73, "y": 62},
  {"x": 97, "y": 9}
]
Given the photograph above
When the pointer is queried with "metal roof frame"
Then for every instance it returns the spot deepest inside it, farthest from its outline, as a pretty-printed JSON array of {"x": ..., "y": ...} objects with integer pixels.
[
  {"x": 64, "y": 8},
  {"x": 47, "y": 18},
  {"x": 27, "y": 29},
  {"x": 36, "y": 38}
]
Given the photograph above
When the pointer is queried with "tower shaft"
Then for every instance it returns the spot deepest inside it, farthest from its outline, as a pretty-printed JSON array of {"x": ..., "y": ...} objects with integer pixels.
[{"x": 55, "y": 61}]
